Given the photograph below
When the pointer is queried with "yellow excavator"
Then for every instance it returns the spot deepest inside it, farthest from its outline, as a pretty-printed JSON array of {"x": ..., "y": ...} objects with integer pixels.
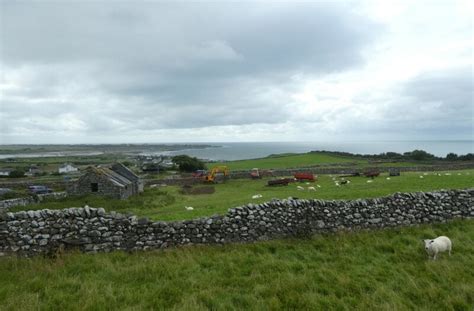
[{"x": 218, "y": 174}]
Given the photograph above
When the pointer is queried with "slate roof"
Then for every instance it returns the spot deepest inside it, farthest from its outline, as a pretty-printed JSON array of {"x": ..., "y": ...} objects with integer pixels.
[
  {"x": 124, "y": 171},
  {"x": 114, "y": 177}
]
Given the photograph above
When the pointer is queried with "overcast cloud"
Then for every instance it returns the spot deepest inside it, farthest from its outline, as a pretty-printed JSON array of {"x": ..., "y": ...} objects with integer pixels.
[{"x": 111, "y": 72}]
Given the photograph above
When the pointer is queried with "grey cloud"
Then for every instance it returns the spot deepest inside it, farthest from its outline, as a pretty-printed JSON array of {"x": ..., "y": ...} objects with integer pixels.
[
  {"x": 437, "y": 104},
  {"x": 452, "y": 90},
  {"x": 175, "y": 65}
]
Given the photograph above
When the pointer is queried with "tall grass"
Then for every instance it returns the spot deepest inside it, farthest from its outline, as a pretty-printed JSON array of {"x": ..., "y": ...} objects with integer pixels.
[{"x": 378, "y": 270}]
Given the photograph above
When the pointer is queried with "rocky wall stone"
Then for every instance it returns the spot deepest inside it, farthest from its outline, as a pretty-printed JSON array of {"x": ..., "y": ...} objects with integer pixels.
[
  {"x": 6, "y": 204},
  {"x": 93, "y": 230}
]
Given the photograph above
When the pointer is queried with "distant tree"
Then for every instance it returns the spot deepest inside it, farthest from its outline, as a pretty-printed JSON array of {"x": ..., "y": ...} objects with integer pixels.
[
  {"x": 188, "y": 164},
  {"x": 393, "y": 155},
  {"x": 419, "y": 155},
  {"x": 467, "y": 157},
  {"x": 17, "y": 173},
  {"x": 451, "y": 156}
]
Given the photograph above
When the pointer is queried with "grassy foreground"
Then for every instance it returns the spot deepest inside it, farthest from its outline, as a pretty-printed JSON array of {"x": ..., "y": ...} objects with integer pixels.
[
  {"x": 168, "y": 203},
  {"x": 378, "y": 270}
]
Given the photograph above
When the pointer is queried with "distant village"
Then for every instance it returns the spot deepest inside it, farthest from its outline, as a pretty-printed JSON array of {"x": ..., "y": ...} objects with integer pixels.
[{"x": 115, "y": 180}]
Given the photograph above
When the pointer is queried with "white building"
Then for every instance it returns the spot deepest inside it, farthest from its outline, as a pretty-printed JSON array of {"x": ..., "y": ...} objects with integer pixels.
[
  {"x": 67, "y": 168},
  {"x": 5, "y": 171}
]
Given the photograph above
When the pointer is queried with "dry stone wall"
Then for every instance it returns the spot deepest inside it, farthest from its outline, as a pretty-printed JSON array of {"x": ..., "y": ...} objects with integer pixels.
[
  {"x": 28, "y": 233},
  {"x": 6, "y": 204}
]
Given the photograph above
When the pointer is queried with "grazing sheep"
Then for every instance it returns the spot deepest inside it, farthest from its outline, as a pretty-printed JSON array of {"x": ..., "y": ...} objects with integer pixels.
[
  {"x": 370, "y": 180},
  {"x": 299, "y": 188},
  {"x": 421, "y": 176},
  {"x": 438, "y": 245},
  {"x": 318, "y": 186},
  {"x": 311, "y": 189},
  {"x": 256, "y": 196},
  {"x": 388, "y": 178},
  {"x": 189, "y": 208}
]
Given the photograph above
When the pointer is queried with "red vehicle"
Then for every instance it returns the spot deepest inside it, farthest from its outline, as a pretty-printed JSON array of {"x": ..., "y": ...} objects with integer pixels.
[
  {"x": 372, "y": 174},
  {"x": 304, "y": 176},
  {"x": 255, "y": 174}
]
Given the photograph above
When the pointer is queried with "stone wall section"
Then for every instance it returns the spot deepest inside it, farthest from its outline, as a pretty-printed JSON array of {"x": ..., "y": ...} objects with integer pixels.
[
  {"x": 28, "y": 233},
  {"x": 6, "y": 204}
]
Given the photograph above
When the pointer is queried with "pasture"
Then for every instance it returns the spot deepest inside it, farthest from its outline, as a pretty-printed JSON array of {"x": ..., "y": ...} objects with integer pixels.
[
  {"x": 168, "y": 203},
  {"x": 377, "y": 270},
  {"x": 309, "y": 159}
]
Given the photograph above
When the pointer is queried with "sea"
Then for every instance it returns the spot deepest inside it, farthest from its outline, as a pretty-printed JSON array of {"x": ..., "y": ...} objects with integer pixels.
[
  {"x": 252, "y": 150},
  {"x": 226, "y": 151}
]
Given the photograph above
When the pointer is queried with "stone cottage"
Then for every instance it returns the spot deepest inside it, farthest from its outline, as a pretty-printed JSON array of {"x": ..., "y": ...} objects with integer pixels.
[{"x": 117, "y": 182}]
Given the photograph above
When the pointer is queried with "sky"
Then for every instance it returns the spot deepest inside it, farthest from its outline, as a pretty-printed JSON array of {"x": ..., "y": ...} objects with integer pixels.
[{"x": 228, "y": 71}]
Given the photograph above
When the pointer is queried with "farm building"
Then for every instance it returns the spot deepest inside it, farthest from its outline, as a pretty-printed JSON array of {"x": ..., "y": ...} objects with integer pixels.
[
  {"x": 5, "y": 171},
  {"x": 33, "y": 171},
  {"x": 117, "y": 182},
  {"x": 67, "y": 168}
]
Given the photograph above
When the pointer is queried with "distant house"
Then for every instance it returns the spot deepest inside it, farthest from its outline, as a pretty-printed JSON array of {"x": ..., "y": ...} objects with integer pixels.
[
  {"x": 116, "y": 182},
  {"x": 67, "y": 168},
  {"x": 5, "y": 172},
  {"x": 33, "y": 171}
]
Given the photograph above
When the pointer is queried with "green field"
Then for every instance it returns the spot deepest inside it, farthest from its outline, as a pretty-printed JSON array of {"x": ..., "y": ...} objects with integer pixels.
[
  {"x": 377, "y": 270},
  {"x": 287, "y": 161},
  {"x": 168, "y": 203},
  {"x": 309, "y": 159}
]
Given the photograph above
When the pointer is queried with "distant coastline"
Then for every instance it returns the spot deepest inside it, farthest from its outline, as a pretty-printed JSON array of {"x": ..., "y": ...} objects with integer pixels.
[
  {"x": 40, "y": 151},
  {"x": 224, "y": 151}
]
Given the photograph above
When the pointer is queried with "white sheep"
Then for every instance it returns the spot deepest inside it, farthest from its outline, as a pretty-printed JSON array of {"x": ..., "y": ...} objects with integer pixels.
[
  {"x": 318, "y": 186},
  {"x": 189, "y": 208},
  {"x": 311, "y": 189},
  {"x": 369, "y": 181},
  {"x": 438, "y": 245},
  {"x": 299, "y": 188},
  {"x": 256, "y": 196},
  {"x": 421, "y": 176},
  {"x": 388, "y": 178}
]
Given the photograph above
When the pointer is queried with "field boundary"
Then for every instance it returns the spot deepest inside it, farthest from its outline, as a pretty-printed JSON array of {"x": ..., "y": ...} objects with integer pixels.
[{"x": 93, "y": 230}]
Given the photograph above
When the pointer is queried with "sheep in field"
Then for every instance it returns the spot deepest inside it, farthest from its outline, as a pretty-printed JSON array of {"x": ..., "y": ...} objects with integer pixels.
[
  {"x": 438, "y": 245},
  {"x": 299, "y": 188},
  {"x": 311, "y": 189}
]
